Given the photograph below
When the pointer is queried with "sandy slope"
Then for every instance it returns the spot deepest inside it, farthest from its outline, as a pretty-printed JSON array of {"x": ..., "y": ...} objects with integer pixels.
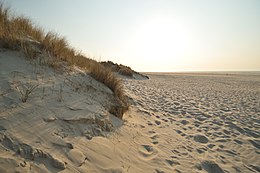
[
  {"x": 177, "y": 123},
  {"x": 40, "y": 135}
]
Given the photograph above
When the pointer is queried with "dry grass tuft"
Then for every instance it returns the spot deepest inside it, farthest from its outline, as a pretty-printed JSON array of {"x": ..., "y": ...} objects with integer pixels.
[
  {"x": 28, "y": 50},
  {"x": 19, "y": 33},
  {"x": 26, "y": 91},
  {"x": 121, "y": 69}
]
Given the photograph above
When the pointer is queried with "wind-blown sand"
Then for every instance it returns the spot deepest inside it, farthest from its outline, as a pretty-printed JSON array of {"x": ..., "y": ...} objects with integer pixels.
[{"x": 177, "y": 122}]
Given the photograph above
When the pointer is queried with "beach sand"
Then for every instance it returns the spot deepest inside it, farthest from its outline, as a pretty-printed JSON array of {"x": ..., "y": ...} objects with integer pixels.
[
  {"x": 182, "y": 122},
  {"x": 201, "y": 122}
]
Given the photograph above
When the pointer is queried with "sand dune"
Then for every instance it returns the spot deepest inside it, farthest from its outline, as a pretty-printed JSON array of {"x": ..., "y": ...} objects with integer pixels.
[
  {"x": 38, "y": 132},
  {"x": 177, "y": 122}
]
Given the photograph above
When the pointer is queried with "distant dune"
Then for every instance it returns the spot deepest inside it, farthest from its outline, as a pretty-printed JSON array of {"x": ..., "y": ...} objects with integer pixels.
[{"x": 123, "y": 70}]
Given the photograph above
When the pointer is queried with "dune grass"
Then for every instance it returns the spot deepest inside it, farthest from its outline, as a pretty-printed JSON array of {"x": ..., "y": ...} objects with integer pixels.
[
  {"x": 19, "y": 33},
  {"x": 121, "y": 69}
]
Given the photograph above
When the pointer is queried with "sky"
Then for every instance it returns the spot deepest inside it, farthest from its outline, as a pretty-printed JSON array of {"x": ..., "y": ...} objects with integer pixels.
[{"x": 156, "y": 35}]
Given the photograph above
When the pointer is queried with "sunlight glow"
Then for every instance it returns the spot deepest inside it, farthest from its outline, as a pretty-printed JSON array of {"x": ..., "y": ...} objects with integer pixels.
[
  {"x": 160, "y": 40},
  {"x": 154, "y": 35}
]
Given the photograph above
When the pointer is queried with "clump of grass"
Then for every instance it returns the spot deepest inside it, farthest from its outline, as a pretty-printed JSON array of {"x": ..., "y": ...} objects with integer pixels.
[
  {"x": 26, "y": 91},
  {"x": 126, "y": 72},
  {"x": 28, "y": 50},
  {"x": 19, "y": 33},
  {"x": 121, "y": 69}
]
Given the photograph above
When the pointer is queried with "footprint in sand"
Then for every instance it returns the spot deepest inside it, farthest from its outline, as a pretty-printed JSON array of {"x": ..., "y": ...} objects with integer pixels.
[
  {"x": 149, "y": 123},
  {"x": 147, "y": 152},
  {"x": 151, "y": 131},
  {"x": 165, "y": 120},
  {"x": 184, "y": 122},
  {"x": 211, "y": 146},
  {"x": 180, "y": 132},
  {"x": 211, "y": 167},
  {"x": 201, "y": 139},
  {"x": 201, "y": 150},
  {"x": 157, "y": 122},
  {"x": 154, "y": 139},
  {"x": 172, "y": 162},
  {"x": 255, "y": 143},
  {"x": 76, "y": 157}
]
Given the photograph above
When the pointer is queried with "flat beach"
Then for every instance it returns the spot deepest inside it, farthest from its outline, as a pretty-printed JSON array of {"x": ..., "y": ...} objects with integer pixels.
[{"x": 202, "y": 121}]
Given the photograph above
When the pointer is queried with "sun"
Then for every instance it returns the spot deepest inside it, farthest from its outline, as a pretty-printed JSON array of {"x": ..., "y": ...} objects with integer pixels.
[{"x": 159, "y": 38}]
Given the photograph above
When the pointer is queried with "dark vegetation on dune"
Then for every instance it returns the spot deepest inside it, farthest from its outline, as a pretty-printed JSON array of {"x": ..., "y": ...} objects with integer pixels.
[
  {"x": 122, "y": 69},
  {"x": 21, "y": 34}
]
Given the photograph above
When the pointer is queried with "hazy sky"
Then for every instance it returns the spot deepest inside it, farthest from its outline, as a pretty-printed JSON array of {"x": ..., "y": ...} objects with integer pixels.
[{"x": 156, "y": 35}]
